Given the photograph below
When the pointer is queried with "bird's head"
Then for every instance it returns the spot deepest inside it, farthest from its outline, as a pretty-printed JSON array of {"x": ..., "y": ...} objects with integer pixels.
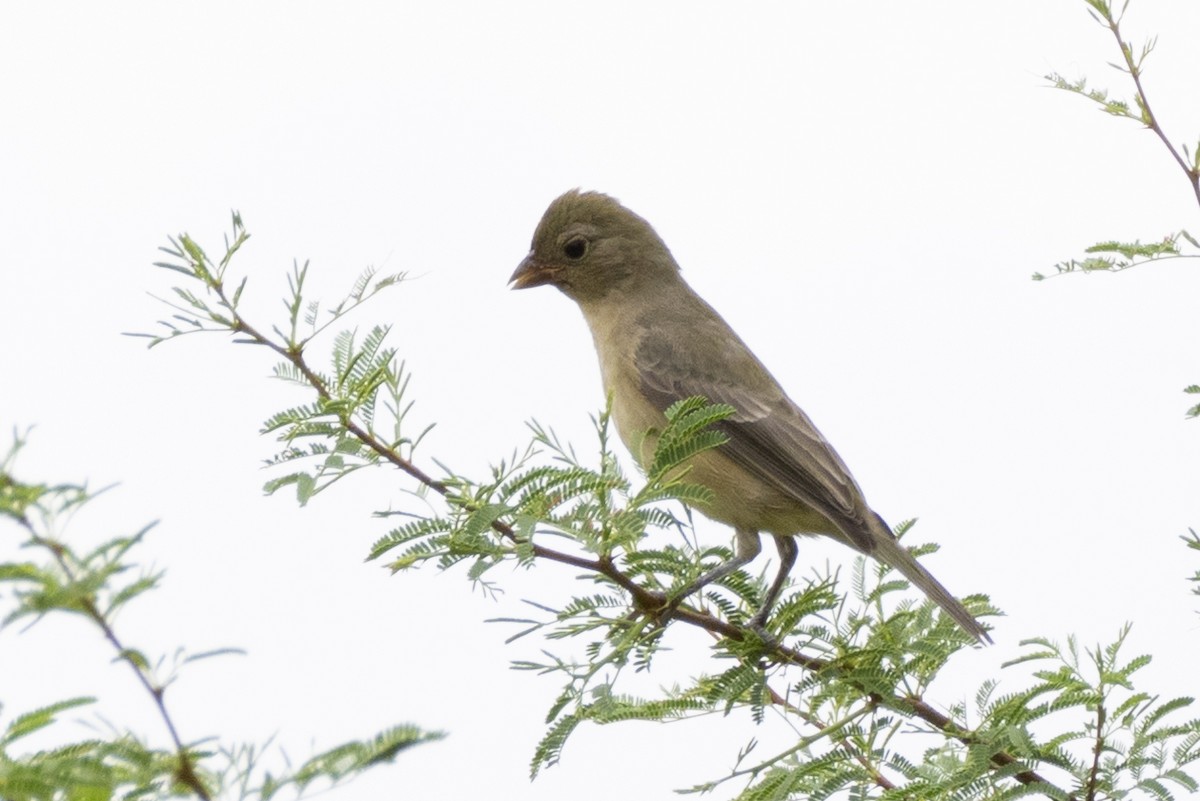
[{"x": 588, "y": 244}]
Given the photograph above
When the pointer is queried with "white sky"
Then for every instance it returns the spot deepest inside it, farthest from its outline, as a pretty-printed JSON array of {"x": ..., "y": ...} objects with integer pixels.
[{"x": 862, "y": 191}]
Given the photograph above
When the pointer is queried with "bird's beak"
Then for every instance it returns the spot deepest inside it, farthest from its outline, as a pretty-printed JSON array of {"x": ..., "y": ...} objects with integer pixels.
[{"x": 532, "y": 273}]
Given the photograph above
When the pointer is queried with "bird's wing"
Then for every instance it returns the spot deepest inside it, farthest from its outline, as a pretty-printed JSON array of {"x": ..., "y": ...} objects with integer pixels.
[{"x": 769, "y": 436}]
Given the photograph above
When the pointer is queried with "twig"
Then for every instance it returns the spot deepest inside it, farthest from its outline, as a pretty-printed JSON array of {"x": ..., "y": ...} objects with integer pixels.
[
  {"x": 185, "y": 771},
  {"x": 1097, "y": 750},
  {"x": 1135, "y": 72},
  {"x": 643, "y": 598},
  {"x": 646, "y": 599}
]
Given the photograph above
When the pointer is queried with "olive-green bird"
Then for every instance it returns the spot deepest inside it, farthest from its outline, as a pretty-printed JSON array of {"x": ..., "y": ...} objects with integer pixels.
[{"x": 658, "y": 343}]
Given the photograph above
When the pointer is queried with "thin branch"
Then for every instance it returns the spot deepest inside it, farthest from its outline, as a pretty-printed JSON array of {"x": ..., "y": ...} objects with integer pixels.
[
  {"x": 878, "y": 778},
  {"x": 646, "y": 600},
  {"x": 649, "y": 600},
  {"x": 1077, "y": 266},
  {"x": 1148, "y": 117},
  {"x": 185, "y": 771},
  {"x": 1001, "y": 759},
  {"x": 804, "y": 742},
  {"x": 1097, "y": 750}
]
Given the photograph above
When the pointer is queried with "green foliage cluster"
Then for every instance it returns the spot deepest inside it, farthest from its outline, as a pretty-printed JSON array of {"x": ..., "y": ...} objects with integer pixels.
[
  {"x": 1112, "y": 255},
  {"x": 1115, "y": 256},
  {"x": 851, "y": 669},
  {"x": 852, "y": 666},
  {"x": 94, "y": 583}
]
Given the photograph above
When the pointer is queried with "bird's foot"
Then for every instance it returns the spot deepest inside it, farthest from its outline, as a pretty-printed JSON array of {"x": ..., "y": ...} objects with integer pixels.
[
  {"x": 759, "y": 628},
  {"x": 657, "y": 605},
  {"x": 769, "y": 640},
  {"x": 654, "y": 604}
]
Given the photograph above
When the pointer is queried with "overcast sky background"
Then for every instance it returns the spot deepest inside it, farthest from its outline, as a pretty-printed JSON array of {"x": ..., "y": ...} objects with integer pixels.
[{"x": 862, "y": 191}]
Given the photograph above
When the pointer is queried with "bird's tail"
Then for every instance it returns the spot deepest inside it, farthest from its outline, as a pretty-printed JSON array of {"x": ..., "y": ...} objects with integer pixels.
[{"x": 889, "y": 551}]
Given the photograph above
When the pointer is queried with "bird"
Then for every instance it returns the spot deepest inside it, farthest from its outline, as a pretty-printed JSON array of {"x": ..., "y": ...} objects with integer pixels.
[{"x": 658, "y": 342}]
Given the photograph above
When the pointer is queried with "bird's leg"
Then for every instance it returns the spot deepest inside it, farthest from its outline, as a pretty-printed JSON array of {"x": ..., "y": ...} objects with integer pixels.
[
  {"x": 746, "y": 547},
  {"x": 787, "y": 558}
]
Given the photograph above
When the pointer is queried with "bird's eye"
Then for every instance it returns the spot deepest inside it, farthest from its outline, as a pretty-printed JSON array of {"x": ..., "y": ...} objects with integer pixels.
[{"x": 575, "y": 248}]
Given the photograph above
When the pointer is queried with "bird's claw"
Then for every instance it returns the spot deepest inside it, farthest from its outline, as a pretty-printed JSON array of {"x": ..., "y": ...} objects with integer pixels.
[
  {"x": 657, "y": 605},
  {"x": 759, "y": 628}
]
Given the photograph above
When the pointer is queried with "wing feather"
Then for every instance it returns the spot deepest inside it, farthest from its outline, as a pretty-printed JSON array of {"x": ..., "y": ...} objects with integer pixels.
[{"x": 770, "y": 437}]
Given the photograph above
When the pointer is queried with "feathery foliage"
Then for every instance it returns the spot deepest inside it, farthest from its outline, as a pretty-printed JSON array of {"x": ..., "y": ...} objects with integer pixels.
[
  {"x": 846, "y": 666},
  {"x": 95, "y": 583},
  {"x": 849, "y": 670},
  {"x": 1114, "y": 255}
]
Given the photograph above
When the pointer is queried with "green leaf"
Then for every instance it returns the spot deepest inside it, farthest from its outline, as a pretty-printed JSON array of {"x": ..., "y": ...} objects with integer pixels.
[{"x": 36, "y": 719}]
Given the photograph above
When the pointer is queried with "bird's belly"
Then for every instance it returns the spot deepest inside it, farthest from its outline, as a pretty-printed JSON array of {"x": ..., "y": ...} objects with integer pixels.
[{"x": 743, "y": 500}]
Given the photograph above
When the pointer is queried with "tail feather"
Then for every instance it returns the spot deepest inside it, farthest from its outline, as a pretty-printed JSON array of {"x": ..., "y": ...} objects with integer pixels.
[{"x": 889, "y": 551}]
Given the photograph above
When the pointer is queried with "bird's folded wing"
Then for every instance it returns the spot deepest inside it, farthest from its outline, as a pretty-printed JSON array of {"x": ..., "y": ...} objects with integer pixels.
[{"x": 769, "y": 436}]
